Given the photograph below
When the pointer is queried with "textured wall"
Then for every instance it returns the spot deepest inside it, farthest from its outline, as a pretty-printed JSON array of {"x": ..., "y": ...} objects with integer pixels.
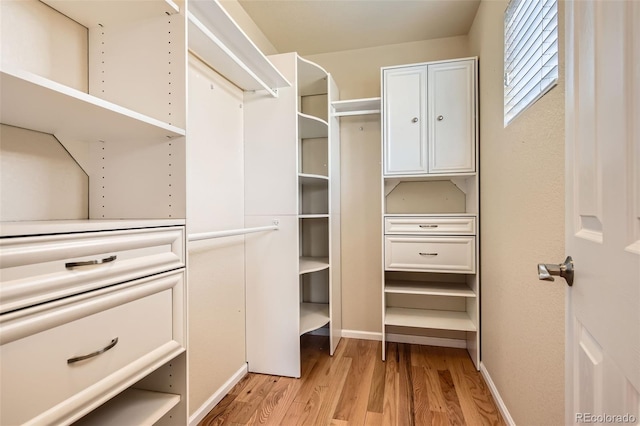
[{"x": 522, "y": 211}]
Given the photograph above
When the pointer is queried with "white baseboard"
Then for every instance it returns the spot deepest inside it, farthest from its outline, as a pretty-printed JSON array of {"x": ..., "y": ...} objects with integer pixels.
[
  {"x": 496, "y": 396},
  {"x": 404, "y": 338},
  {"x": 364, "y": 335},
  {"x": 202, "y": 412}
]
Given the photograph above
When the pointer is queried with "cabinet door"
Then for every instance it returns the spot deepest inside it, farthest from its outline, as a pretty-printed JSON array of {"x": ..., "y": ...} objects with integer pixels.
[
  {"x": 404, "y": 112},
  {"x": 451, "y": 109}
]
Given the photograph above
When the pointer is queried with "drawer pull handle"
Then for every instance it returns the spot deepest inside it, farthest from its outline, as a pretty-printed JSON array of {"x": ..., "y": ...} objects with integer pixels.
[
  {"x": 90, "y": 262},
  {"x": 92, "y": 354},
  {"x": 428, "y": 254},
  {"x": 428, "y": 226}
]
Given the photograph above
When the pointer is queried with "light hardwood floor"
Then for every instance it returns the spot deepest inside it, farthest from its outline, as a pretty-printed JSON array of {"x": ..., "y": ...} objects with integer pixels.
[{"x": 417, "y": 385}]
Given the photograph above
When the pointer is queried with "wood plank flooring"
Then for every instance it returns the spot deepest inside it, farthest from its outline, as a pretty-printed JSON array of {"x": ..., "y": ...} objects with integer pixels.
[{"x": 417, "y": 385}]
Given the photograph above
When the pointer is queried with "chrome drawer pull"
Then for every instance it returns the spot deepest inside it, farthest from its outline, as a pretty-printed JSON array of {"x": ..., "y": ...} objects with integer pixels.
[
  {"x": 428, "y": 254},
  {"x": 92, "y": 354},
  {"x": 428, "y": 226},
  {"x": 90, "y": 262}
]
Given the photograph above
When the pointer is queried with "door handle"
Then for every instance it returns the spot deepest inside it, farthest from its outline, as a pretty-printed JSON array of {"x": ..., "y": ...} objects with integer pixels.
[{"x": 564, "y": 270}]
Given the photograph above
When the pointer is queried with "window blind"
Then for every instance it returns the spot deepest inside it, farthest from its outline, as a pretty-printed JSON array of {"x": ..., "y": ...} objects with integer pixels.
[{"x": 530, "y": 53}]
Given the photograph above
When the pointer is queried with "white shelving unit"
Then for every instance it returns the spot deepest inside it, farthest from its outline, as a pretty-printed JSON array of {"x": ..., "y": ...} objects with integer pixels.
[
  {"x": 429, "y": 191},
  {"x": 302, "y": 177}
]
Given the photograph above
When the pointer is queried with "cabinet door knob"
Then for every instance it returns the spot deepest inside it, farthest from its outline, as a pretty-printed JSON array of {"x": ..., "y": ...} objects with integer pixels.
[
  {"x": 440, "y": 118},
  {"x": 414, "y": 120}
]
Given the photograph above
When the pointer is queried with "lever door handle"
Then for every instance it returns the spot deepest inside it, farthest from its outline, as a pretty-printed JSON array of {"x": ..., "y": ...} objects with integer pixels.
[{"x": 564, "y": 270}]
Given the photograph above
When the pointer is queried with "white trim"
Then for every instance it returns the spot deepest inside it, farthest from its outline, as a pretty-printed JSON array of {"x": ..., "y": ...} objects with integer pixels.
[
  {"x": 364, "y": 335},
  {"x": 217, "y": 396},
  {"x": 406, "y": 338},
  {"x": 496, "y": 396}
]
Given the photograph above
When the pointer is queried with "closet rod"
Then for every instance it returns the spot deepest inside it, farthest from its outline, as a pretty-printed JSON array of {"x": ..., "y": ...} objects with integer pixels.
[{"x": 231, "y": 232}]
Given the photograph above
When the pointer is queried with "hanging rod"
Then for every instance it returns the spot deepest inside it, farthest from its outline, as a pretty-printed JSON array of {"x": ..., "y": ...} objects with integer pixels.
[{"x": 232, "y": 232}]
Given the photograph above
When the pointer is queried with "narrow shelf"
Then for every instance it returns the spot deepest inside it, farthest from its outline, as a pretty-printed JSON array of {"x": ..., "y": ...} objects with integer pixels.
[
  {"x": 216, "y": 39},
  {"x": 426, "y": 318},
  {"x": 35, "y": 103},
  {"x": 313, "y": 264},
  {"x": 310, "y": 127},
  {"x": 309, "y": 179},
  {"x": 428, "y": 288},
  {"x": 312, "y": 216},
  {"x": 41, "y": 227},
  {"x": 134, "y": 407},
  {"x": 312, "y": 78},
  {"x": 94, "y": 13},
  {"x": 356, "y": 107},
  {"x": 313, "y": 316}
]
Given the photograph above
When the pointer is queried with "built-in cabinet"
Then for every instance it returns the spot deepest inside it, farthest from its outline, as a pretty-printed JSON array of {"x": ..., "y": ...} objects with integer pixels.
[
  {"x": 429, "y": 119},
  {"x": 431, "y": 284},
  {"x": 292, "y": 163}
]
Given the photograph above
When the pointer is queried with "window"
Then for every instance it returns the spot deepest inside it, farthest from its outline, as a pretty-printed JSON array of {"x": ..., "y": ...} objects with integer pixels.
[{"x": 530, "y": 53}]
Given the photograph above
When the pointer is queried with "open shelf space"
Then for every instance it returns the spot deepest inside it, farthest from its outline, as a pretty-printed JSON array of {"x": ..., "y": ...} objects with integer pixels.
[
  {"x": 363, "y": 106},
  {"x": 134, "y": 407},
  {"x": 312, "y": 79},
  {"x": 93, "y": 13},
  {"x": 428, "y": 318},
  {"x": 313, "y": 264},
  {"x": 216, "y": 39},
  {"x": 36, "y": 103},
  {"x": 313, "y": 316},
  {"x": 429, "y": 288},
  {"x": 310, "y": 127}
]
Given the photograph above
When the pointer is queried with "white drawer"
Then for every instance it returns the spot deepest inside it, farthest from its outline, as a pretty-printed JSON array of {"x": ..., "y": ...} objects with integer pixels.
[
  {"x": 38, "y": 342},
  {"x": 39, "y": 269},
  {"x": 460, "y": 225},
  {"x": 430, "y": 254}
]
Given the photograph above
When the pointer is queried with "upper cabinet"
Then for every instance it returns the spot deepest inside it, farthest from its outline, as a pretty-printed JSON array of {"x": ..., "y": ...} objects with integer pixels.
[{"x": 429, "y": 118}]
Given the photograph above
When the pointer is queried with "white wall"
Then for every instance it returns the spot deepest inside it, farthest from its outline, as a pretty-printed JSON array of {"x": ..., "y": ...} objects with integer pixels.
[{"x": 522, "y": 211}]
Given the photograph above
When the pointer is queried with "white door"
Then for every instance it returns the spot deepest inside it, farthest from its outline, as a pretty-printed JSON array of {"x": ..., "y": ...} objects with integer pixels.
[
  {"x": 603, "y": 211},
  {"x": 451, "y": 107},
  {"x": 404, "y": 128}
]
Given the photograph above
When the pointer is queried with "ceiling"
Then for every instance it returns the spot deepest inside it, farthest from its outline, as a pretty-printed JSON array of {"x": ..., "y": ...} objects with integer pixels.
[{"x": 319, "y": 26}]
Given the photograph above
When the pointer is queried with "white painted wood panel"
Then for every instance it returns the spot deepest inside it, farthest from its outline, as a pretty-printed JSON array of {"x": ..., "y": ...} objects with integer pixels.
[
  {"x": 451, "y": 117},
  {"x": 404, "y": 107},
  {"x": 603, "y": 305},
  {"x": 273, "y": 298}
]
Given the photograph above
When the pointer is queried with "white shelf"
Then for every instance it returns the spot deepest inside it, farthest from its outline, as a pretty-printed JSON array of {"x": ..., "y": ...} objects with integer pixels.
[
  {"x": 428, "y": 288},
  {"x": 313, "y": 316},
  {"x": 312, "y": 180},
  {"x": 93, "y": 13},
  {"x": 313, "y": 264},
  {"x": 312, "y": 79},
  {"x": 41, "y": 227},
  {"x": 312, "y": 216},
  {"x": 310, "y": 127},
  {"x": 356, "y": 107},
  {"x": 425, "y": 318},
  {"x": 216, "y": 39},
  {"x": 35, "y": 103},
  {"x": 427, "y": 215},
  {"x": 132, "y": 407}
]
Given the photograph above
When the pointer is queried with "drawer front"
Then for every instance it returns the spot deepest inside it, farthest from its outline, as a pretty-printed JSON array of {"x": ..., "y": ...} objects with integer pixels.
[
  {"x": 39, "y": 269},
  {"x": 37, "y": 373},
  {"x": 430, "y": 254},
  {"x": 430, "y": 225}
]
